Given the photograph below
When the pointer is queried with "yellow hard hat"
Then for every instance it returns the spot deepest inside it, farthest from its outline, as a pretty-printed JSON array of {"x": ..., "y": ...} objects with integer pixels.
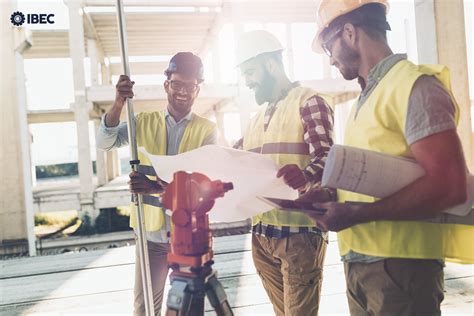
[
  {"x": 253, "y": 43},
  {"x": 329, "y": 10}
]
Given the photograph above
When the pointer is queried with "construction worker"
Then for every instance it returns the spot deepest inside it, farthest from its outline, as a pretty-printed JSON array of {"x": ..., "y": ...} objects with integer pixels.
[
  {"x": 394, "y": 261},
  {"x": 166, "y": 132},
  {"x": 294, "y": 127}
]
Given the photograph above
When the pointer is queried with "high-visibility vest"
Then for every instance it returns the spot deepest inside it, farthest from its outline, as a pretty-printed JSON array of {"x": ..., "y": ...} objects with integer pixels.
[
  {"x": 283, "y": 141},
  {"x": 380, "y": 126},
  {"x": 151, "y": 134}
]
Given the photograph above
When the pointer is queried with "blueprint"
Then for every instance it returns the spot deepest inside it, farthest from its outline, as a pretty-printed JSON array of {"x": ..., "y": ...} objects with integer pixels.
[{"x": 252, "y": 175}]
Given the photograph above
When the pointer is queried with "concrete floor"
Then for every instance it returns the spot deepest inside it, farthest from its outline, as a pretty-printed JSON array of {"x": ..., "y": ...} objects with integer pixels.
[{"x": 101, "y": 282}]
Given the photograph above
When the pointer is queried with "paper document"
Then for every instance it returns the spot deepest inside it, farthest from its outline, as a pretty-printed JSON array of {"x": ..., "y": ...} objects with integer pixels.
[
  {"x": 379, "y": 175},
  {"x": 252, "y": 174}
]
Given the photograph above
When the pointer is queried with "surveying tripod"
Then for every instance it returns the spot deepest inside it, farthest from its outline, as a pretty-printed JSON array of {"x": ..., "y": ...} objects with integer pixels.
[{"x": 190, "y": 196}]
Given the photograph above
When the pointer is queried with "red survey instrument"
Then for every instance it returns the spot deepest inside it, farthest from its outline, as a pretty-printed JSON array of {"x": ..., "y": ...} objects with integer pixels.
[{"x": 190, "y": 196}]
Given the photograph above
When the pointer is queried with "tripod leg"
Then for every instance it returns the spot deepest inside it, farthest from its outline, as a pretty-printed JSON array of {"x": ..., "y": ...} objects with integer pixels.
[
  {"x": 177, "y": 298},
  {"x": 186, "y": 298},
  {"x": 217, "y": 297}
]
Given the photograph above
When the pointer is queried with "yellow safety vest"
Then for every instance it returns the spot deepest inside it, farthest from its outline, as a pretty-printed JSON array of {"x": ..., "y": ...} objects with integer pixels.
[
  {"x": 379, "y": 126},
  {"x": 151, "y": 134},
  {"x": 283, "y": 141}
]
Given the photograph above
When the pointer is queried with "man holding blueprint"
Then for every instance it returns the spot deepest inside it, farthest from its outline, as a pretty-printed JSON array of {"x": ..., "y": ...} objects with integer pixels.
[
  {"x": 294, "y": 128},
  {"x": 393, "y": 259}
]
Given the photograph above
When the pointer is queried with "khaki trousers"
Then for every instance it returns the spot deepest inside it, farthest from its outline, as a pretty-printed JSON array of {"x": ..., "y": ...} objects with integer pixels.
[
  {"x": 291, "y": 270},
  {"x": 157, "y": 254},
  {"x": 395, "y": 287}
]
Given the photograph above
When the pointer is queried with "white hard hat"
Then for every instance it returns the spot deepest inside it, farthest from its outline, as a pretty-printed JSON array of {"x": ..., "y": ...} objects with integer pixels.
[{"x": 253, "y": 43}]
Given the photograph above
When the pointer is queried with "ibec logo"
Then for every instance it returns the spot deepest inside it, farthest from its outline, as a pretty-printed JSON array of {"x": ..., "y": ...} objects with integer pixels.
[{"x": 18, "y": 18}]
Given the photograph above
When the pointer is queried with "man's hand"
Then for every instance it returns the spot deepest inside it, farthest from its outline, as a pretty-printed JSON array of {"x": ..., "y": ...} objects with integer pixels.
[
  {"x": 338, "y": 216},
  {"x": 293, "y": 176},
  {"x": 316, "y": 194},
  {"x": 123, "y": 90},
  {"x": 140, "y": 184}
]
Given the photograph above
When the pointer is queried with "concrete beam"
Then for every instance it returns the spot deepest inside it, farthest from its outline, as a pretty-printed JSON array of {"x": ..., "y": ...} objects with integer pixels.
[
  {"x": 58, "y": 116},
  {"x": 155, "y": 3},
  {"x": 213, "y": 33},
  {"x": 106, "y": 94},
  {"x": 140, "y": 68},
  {"x": 50, "y": 116}
]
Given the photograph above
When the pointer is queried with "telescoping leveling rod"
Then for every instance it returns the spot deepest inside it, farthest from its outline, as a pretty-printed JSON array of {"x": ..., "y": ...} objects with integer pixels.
[{"x": 137, "y": 198}]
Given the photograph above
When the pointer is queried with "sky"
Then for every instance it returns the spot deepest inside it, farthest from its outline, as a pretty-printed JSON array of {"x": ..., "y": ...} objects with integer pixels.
[{"x": 49, "y": 82}]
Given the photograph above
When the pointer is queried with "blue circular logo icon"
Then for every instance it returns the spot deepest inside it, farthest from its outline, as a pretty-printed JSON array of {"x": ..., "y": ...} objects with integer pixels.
[{"x": 17, "y": 18}]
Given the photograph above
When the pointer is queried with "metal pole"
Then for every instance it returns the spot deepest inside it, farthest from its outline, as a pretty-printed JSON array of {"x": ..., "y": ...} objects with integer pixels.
[{"x": 137, "y": 198}]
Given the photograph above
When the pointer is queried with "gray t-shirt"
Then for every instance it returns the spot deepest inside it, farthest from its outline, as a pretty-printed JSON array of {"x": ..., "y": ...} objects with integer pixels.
[{"x": 430, "y": 111}]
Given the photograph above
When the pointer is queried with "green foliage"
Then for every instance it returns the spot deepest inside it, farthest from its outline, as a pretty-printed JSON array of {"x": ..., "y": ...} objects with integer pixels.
[
  {"x": 59, "y": 170},
  {"x": 55, "y": 218},
  {"x": 41, "y": 219}
]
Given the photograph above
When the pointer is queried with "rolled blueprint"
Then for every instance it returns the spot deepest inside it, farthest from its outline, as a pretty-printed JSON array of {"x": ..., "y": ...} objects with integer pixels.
[{"x": 378, "y": 175}]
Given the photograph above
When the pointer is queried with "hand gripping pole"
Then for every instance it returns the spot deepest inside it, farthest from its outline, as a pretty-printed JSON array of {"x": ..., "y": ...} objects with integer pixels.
[{"x": 137, "y": 198}]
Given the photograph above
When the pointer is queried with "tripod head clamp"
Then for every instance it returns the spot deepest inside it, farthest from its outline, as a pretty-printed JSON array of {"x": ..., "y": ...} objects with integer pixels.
[{"x": 190, "y": 196}]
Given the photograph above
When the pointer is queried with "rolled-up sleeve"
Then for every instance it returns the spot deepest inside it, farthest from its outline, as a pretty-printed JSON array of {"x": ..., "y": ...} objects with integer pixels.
[
  {"x": 109, "y": 138},
  {"x": 318, "y": 121}
]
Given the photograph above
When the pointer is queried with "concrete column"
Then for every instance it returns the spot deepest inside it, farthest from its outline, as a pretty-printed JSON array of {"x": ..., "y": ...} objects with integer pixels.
[
  {"x": 93, "y": 53},
  {"x": 244, "y": 102},
  {"x": 441, "y": 39},
  {"x": 113, "y": 165},
  {"x": 101, "y": 161},
  {"x": 220, "y": 126},
  {"x": 452, "y": 52},
  {"x": 80, "y": 107},
  {"x": 16, "y": 198},
  {"x": 290, "y": 51},
  {"x": 106, "y": 76},
  {"x": 216, "y": 61}
]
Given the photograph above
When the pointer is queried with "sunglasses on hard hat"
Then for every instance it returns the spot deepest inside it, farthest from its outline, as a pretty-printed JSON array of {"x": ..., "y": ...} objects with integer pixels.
[
  {"x": 326, "y": 45},
  {"x": 177, "y": 85}
]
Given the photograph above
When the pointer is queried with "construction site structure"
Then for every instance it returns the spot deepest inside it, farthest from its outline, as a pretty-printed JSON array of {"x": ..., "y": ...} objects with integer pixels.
[{"x": 162, "y": 28}]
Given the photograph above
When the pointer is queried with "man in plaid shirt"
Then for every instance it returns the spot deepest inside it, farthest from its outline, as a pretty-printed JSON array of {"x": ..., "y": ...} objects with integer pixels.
[{"x": 294, "y": 128}]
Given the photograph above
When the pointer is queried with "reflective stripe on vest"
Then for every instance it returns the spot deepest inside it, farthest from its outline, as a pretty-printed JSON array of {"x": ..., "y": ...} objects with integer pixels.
[
  {"x": 282, "y": 148},
  {"x": 152, "y": 200},
  {"x": 151, "y": 134},
  {"x": 283, "y": 141}
]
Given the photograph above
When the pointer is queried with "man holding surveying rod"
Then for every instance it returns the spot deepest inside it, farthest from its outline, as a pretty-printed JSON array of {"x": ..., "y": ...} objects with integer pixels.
[
  {"x": 166, "y": 132},
  {"x": 393, "y": 259}
]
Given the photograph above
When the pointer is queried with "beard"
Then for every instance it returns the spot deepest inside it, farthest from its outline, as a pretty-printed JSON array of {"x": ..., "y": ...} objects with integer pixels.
[
  {"x": 264, "y": 90},
  {"x": 349, "y": 62},
  {"x": 180, "y": 102}
]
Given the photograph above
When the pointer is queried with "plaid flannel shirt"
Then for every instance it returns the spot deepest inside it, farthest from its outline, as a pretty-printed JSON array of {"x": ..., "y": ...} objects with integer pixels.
[{"x": 317, "y": 118}]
